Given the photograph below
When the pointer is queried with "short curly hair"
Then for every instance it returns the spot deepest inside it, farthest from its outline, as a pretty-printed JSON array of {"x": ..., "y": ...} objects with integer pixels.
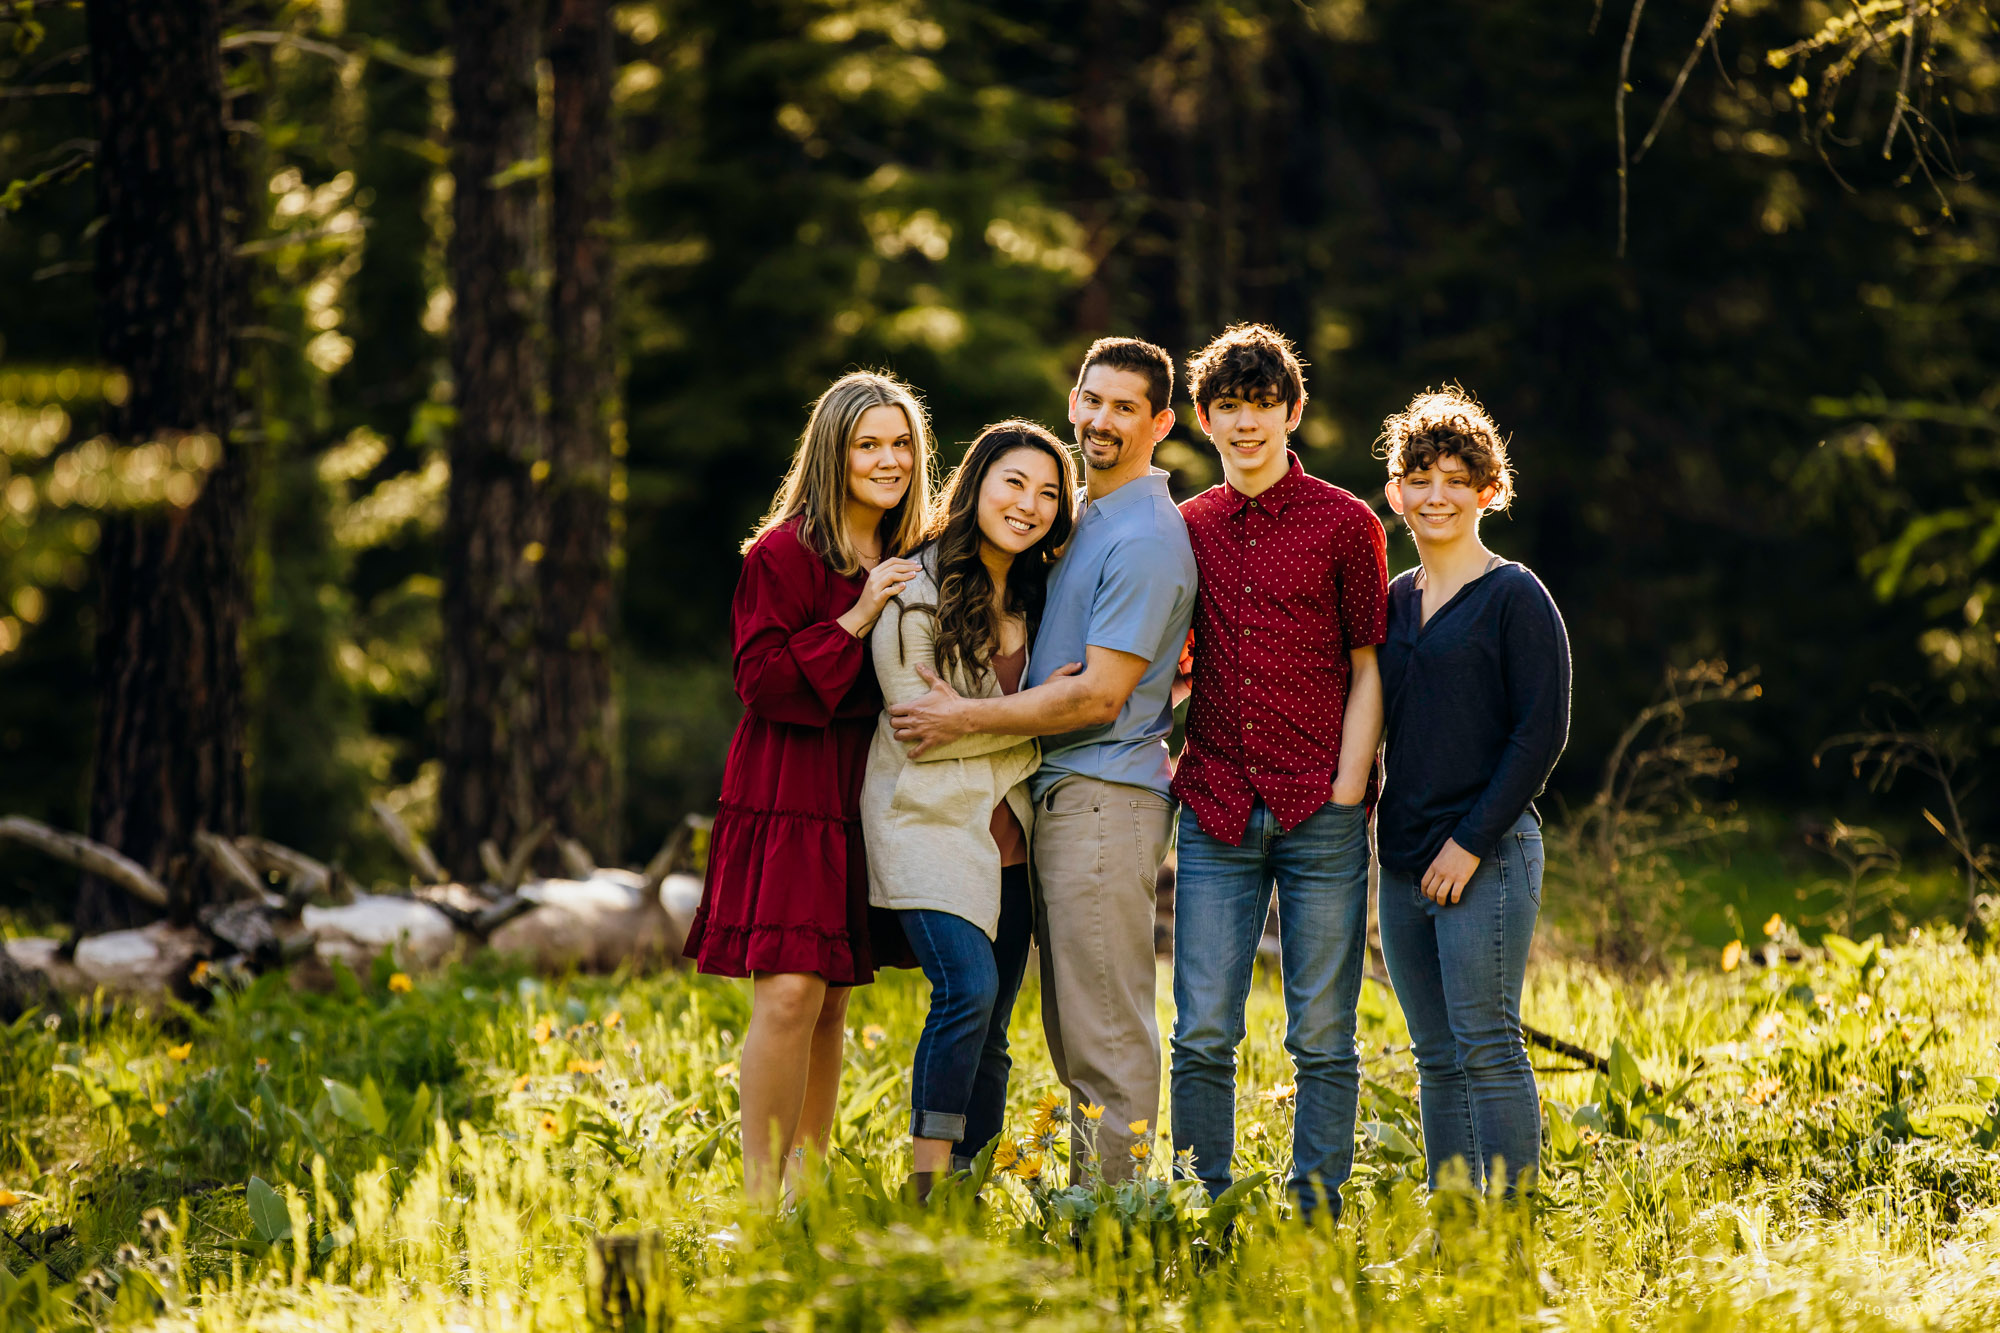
[
  {"x": 1247, "y": 358},
  {"x": 1448, "y": 422}
]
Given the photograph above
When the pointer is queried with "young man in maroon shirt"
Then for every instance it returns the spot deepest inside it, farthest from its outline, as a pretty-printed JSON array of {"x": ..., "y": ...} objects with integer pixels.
[{"x": 1283, "y": 722}]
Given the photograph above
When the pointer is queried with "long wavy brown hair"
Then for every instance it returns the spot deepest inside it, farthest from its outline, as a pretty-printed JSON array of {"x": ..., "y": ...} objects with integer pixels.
[{"x": 968, "y": 633}]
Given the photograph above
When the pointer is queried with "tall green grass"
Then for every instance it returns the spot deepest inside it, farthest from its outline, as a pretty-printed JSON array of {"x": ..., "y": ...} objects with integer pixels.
[{"x": 1782, "y": 1146}]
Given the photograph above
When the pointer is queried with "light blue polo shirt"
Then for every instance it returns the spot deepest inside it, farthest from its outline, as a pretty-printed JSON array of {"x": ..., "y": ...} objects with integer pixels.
[{"x": 1126, "y": 583}]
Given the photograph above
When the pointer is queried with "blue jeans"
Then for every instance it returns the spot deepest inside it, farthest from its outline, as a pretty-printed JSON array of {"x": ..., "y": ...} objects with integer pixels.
[
  {"x": 1222, "y": 895},
  {"x": 958, "y": 1090},
  {"x": 1458, "y": 972}
]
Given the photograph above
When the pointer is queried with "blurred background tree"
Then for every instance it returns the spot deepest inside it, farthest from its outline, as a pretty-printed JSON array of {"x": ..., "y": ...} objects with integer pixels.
[{"x": 1765, "y": 432}]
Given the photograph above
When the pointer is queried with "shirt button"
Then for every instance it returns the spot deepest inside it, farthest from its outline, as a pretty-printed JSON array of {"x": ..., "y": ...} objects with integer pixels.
[
  {"x": 1249, "y": 726},
  {"x": 1253, "y": 768},
  {"x": 1246, "y": 587},
  {"x": 1253, "y": 541}
]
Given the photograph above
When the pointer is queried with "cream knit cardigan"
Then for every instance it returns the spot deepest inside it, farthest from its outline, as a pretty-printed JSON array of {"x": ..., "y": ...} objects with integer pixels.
[{"x": 926, "y": 821}]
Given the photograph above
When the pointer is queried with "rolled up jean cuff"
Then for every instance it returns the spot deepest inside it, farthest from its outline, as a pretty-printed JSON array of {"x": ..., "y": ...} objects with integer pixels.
[{"x": 937, "y": 1125}]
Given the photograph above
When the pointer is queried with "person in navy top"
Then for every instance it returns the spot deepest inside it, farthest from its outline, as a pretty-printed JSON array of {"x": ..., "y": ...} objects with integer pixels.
[{"x": 1476, "y": 686}]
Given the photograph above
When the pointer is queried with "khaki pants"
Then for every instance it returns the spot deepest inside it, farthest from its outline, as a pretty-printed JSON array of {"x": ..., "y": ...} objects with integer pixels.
[{"x": 1096, "y": 860}]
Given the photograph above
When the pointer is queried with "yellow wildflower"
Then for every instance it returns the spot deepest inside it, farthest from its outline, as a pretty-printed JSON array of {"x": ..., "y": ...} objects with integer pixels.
[
  {"x": 726, "y": 1071},
  {"x": 400, "y": 984},
  {"x": 1774, "y": 925},
  {"x": 1138, "y": 1126},
  {"x": 585, "y": 1066},
  {"x": 1028, "y": 1168},
  {"x": 613, "y": 1019},
  {"x": 1768, "y": 1027},
  {"x": 8, "y": 1198},
  {"x": 1732, "y": 955},
  {"x": 1140, "y": 1149},
  {"x": 181, "y": 1052},
  {"x": 1763, "y": 1090},
  {"x": 160, "y": 1109},
  {"x": 200, "y": 973},
  {"x": 1052, "y": 1105},
  {"x": 544, "y": 1029},
  {"x": 1279, "y": 1092},
  {"x": 1092, "y": 1111},
  {"x": 262, "y": 1064},
  {"x": 873, "y": 1036},
  {"x": 1005, "y": 1156},
  {"x": 522, "y": 1083},
  {"x": 549, "y": 1125}
]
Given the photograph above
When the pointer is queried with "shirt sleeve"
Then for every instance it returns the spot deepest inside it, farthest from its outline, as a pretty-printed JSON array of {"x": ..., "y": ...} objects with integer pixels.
[
  {"x": 1364, "y": 578},
  {"x": 1137, "y": 601},
  {"x": 790, "y": 666},
  {"x": 1535, "y": 654}
]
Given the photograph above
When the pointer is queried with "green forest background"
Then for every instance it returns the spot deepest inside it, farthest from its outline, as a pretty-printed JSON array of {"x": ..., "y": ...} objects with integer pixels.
[{"x": 1768, "y": 431}]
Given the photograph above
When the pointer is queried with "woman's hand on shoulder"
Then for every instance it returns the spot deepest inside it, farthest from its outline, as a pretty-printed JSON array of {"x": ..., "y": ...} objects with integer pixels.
[{"x": 884, "y": 582}]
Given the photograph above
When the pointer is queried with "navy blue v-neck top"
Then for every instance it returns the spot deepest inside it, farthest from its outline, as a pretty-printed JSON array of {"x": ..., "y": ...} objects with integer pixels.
[{"x": 1476, "y": 710}]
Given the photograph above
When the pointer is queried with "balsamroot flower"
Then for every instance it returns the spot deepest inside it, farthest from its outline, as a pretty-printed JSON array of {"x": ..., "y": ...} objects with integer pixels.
[
  {"x": 1092, "y": 1111},
  {"x": 1732, "y": 955},
  {"x": 873, "y": 1036},
  {"x": 400, "y": 983},
  {"x": 1004, "y": 1156}
]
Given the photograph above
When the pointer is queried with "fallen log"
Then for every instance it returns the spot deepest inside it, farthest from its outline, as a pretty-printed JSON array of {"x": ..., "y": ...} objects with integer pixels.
[
  {"x": 88, "y": 855},
  {"x": 408, "y": 845}
]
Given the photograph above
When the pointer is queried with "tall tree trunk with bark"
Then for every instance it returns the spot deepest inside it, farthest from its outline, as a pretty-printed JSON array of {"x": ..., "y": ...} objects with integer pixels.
[
  {"x": 575, "y": 769},
  {"x": 169, "y": 747},
  {"x": 495, "y": 530}
]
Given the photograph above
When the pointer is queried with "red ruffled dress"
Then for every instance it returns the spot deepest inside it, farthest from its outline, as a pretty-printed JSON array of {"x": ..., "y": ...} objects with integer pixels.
[{"x": 787, "y": 887}]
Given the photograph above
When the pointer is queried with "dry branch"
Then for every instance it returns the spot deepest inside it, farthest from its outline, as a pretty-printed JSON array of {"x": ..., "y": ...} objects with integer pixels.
[
  {"x": 229, "y": 862},
  {"x": 87, "y": 855},
  {"x": 516, "y": 868},
  {"x": 576, "y": 858},
  {"x": 412, "y": 848},
  {"x": 306, "y": 878}
]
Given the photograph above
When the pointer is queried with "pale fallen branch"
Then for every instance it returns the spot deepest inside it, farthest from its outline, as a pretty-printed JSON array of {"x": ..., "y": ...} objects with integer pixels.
[
  {"x": 412, "y": 848},
  {"x": 87, "y": 855},
  {"x": 230, "y": 863},
  {"x": 516, "y": 868},
  {"x": 576, "y": 858}
]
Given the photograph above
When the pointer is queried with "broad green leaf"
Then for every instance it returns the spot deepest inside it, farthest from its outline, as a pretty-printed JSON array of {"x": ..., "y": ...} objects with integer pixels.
[
  {"x": 268, "y": 1215},
  {"x": 1627, "y": 1081},
  {"x": 333, "y": 1240},
  {"x": 1392, "y": 1141},
  {"x": 347, "y": 1104},
  {"x": 1846, "y": 950},
  {"x": 416, "y": 1121},
  {"x": 371, "y": 1103}
]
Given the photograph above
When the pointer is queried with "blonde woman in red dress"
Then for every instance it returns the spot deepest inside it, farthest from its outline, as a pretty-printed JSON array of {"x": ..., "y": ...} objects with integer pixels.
[{"x": 786, "y": 900}]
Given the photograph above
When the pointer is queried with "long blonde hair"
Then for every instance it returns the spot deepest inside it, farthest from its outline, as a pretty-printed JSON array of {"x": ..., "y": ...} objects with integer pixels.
[{"x": 815, "y": 486}]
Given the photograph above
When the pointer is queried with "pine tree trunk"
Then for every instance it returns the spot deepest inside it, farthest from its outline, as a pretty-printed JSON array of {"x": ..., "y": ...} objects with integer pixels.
[
  {"x": 495, "y": 530},
  {"x": 575, "y": 765},
  {"x": 169, "y": 747}
]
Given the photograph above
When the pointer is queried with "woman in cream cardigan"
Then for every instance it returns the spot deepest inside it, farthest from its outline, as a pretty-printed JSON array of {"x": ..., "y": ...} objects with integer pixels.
[{"x": 947, "y": 834}]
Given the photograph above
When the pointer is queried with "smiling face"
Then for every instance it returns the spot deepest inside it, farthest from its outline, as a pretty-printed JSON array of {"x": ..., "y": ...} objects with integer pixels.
[
  {"x": 1441, "y": 503},
  {"x": 881, "y": 456},
  {"x": 1018, "y": 500},
  {"x": 1249, "y": 430},
  {"x": 1116, "y": 424}
]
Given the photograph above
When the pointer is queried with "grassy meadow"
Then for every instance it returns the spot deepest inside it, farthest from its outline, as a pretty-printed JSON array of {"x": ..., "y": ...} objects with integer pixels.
[{"x": 1782, "y": 1145}]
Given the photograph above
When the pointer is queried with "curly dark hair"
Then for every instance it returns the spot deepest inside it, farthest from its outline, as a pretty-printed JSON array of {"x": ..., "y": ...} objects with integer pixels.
[
  {"x": 1448, "y": 422},
  {"x": 1247, "y": 359},
  {"x": 1140, "y": 357},
  {"x": 968, "y": 632}
]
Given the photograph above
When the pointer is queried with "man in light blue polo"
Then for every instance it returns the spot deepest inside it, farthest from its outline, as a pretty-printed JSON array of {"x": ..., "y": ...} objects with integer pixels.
[{"x": 1100, "y": 690}]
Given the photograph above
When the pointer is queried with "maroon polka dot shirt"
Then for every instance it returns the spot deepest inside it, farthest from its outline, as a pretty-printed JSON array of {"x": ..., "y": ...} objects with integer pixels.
[{"x": 1291, "y": 582}]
